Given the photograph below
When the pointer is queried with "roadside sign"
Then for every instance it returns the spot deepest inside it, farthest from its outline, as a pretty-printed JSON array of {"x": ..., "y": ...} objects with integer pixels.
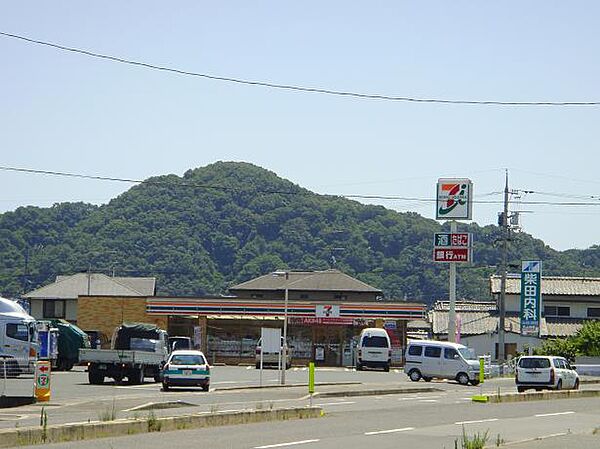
[
  {"x": 42, "y": 380},
  {"x": 391, "y": 325},
  {"x": 451, "y": 254},
  {"x": 460, "y": 239},
  {"x": 271, "y": 339},
  {"x": 454, "y": 199},
  {"x": 531, "y": 297}
]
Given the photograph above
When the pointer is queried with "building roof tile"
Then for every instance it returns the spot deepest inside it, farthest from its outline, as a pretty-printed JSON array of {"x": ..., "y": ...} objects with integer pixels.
[
  {"x": 328, "y": 280},
  {"x": 551, "y": 285},
  {"x": 70, "y": 287}
]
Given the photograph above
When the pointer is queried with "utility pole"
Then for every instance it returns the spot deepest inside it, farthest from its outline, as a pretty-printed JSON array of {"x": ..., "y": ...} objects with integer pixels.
[
  {"x": 503, "y": 269},
  {"x": 89, "y": 278},
  {"x": 452, "y": 293},
  {"x": 26, "y": 270}
]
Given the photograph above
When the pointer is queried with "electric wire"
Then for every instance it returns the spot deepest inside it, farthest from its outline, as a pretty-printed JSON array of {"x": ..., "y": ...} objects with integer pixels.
[
  {"x": 315, "y": 90},
  {"x": 298, "y": 191}
]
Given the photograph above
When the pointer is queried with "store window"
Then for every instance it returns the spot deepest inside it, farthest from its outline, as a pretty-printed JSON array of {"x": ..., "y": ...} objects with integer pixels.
[
  {"x": 557, "y": 311},
  {"x": 593, "y": 312},
  {"x": 54, "y": 308}
]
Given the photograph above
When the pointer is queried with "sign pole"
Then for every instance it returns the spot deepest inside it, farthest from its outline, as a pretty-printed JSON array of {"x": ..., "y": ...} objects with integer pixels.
[
  {"x": 311, "y": 381},
  {"x": 452, "y": 294},
  {"x": 454, "y": 201}
]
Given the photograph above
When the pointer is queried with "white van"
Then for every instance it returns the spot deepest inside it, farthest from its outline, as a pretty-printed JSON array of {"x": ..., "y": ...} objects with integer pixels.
[
  {"x": 374, "y": 349},
  {"x": 18, "y": 339},
  {"x": 425, "y": 359}
]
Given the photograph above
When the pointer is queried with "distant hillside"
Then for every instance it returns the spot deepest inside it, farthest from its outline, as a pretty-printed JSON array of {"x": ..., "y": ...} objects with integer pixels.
[{"x": 229, "y": 222}]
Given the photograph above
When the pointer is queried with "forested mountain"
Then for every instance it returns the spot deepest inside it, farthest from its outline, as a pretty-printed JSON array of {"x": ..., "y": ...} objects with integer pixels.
[{"x": 228, "y": 222}]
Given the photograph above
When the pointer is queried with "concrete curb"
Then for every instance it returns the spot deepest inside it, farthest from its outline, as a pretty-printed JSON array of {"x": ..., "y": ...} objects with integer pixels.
[
  {"x": 542, "y": 396},
  {"x": 259, "y": 387},
  {"x": 87, "y": 431},
  {"x": 350, "y": 393}
]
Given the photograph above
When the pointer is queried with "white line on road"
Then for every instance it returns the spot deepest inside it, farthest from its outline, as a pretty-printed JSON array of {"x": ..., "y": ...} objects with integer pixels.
[
  {"x": 460, "y": 423},
  {"x": 293, "y": 443},
  {"x": 419, "y": 398},
  {"x": 554, "y": 414},
  {"x": 336, "y": 403},
  {"x": 428, "y": 400},
  {"x": 380, "y": 432}
]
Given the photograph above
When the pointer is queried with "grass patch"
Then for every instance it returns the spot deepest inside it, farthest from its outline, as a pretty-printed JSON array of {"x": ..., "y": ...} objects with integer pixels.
[
  {"x": 154, "y": 425},
  {"x": 109, "y": 413},
  {"x": 476, "y": 441}
]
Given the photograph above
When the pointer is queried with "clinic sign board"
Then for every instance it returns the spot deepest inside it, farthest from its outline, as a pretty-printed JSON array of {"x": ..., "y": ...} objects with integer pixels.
[
  {"x": 531, "y": 297},
  {"x": 454, "y": 199}
]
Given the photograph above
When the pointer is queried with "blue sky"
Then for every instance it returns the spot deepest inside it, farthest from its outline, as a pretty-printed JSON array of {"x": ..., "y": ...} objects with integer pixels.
[{"x": 66, "y": 112}]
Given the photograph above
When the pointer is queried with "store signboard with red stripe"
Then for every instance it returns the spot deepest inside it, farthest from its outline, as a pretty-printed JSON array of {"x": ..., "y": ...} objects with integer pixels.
[{"x": 178, "y": 306}]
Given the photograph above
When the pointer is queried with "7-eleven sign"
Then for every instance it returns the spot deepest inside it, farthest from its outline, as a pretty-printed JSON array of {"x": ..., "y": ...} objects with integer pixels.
[
  {"x": 454, "y": 199},
  {"x": 327, "y": 311}
]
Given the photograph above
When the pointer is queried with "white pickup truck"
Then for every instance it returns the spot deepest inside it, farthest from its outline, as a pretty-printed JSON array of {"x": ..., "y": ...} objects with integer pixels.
[{"x": 137, "y": 351}]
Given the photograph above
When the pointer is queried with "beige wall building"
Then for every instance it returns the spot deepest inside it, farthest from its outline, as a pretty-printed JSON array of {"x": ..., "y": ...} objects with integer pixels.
[{"x": 59, "y": 299}]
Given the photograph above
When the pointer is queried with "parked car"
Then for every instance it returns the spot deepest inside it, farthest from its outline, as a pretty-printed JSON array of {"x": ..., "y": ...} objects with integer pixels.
[
  {"x": 374, "y": 349},
  {"x": 186, "y": 369},
  {"x": 441, "y": 359},
  {"x": 70, "y": 340},
  {"x": 545, "y": 372},
  {"x": 180, "y": 343},
  {"x": 138, "y": 350},
  {"x": 272, "y": 358}
]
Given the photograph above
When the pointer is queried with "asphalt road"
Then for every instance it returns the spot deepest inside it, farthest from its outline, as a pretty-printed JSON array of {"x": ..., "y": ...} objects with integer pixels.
[
  {"x": 75, "y": 400},
  {"x": 419, "y": 421},
  {"x": 423, "y": 420}
]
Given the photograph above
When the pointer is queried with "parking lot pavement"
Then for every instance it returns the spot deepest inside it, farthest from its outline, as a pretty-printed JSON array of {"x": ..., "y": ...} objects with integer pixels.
[
  {"x": 75, "y": 400},
  {"x": 387, "y": 422}
]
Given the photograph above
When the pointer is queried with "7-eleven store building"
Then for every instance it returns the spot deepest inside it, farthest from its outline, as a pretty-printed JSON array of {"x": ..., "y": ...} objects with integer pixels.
[{"x": 326, "y": 312}]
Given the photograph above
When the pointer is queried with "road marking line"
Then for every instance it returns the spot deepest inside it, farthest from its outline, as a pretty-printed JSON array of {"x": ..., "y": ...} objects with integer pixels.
[
  {"x": 12, "y": 417},
  {"x": 336, "y": 403},
  {"x": 428, "y": 400},
  {"x": 554, "y": 414},
  {"x": 139, "y": 387},
  {"x": 421, "y": 398},
  {"x": 380, "y": 432},
  {"x": 293, "y": 443},
  {"x": 460, "y": 423}
]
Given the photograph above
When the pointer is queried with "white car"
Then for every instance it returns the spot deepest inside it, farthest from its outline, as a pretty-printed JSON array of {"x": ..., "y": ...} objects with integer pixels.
[
  {"x": 374, "y": 349},
  {"x": 427, "y": 359},
  {"x": 545, "y": 372},
  {"x": 186, "y": 369}
]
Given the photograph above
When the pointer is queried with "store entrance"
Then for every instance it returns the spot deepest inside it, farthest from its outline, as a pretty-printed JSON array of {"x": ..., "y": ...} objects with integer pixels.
[
  {"x": 328, "y": 344},
  {"x": 182, "y": 326}
]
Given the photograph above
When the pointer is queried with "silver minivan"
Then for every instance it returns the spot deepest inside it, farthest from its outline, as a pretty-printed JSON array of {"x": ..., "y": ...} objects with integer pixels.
[{"x": 427, "y": 359}]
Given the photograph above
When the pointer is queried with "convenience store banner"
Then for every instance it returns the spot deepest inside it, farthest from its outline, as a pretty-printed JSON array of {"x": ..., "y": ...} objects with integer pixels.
[{"x": 167, "y": 306}]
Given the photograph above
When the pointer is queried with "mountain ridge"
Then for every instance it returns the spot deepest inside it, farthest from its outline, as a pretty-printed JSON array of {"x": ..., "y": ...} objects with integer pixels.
[{"x": 230, "y": 221}]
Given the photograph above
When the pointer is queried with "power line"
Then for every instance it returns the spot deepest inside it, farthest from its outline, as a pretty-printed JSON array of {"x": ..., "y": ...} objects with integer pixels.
[
  {"x": 299, "y": 191},
  {"x": 315, "y": 90}
]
